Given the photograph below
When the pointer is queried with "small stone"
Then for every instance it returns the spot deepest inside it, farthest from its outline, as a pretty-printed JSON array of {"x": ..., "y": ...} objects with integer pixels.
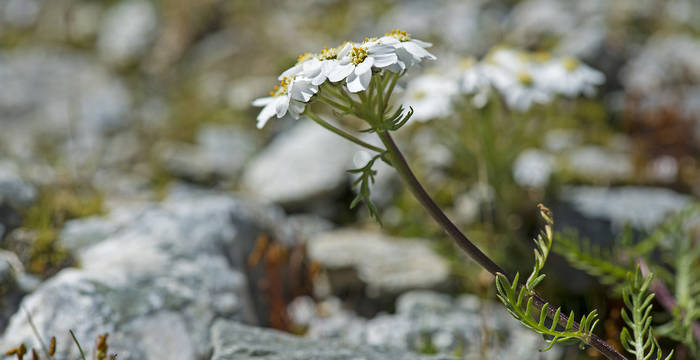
[
  {"x": 240, "y": 342},
  {"x": 301, "y": 165},
  {"x": 128, "y": 31},
  {"x": 384, "y": 264},
  {"x": 13, "y": 189},
  {"x": 599, "y": 165},
  {"x": 220, "y": 152},
  {"x": 641, "y": 207}
]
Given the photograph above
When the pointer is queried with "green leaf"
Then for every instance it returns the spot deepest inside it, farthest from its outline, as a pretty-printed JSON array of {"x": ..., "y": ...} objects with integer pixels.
[{"x": 363, "y": 182}]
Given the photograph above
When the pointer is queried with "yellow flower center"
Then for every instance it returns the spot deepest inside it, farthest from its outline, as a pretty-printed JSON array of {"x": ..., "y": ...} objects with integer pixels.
[
  {"x": 303, "y": 57},
  {"x": 525, "y": 78},
  {"x": 418, "y": 95},
  {"x": 358, "y": 55},
  {"x": 466, "y": 63},
  {"x": 282, "y": 88},
  {"x": 399, "y": 35},
  {"x": 571, "y": 64},
  {"x": 541, "y": 56},
  {"x": 327, "y": 54}
]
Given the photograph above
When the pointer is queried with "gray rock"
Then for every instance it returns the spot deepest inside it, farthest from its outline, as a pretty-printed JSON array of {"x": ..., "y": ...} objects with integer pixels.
[
  {"x": 220, "y": 153},
  {"x": 428, "y": 320},
  {"x": 597, "y": 164},
  {"x": 240, "y": 342},
  {"x": 11, "y": 291},
  {"x": 641, "y": 207},
  {"x": 154, "y": 276},
  {"x": 58, "y": 97},
  {"x": 127, "y": 32},
  {"x": 383, "y": 264},
  {"x": 13, "y": 189},
  {"x": 21, "y": 13},
  {"x": 301, "y": 165}
]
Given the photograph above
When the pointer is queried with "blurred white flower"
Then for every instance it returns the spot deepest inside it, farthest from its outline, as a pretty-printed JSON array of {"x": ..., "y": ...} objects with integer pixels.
[
  {"x": 568, "y": 77},
  {"x": 475, "y": 82},
  {"x": 289, "y": 97},
  {"x": 430, "y": 96},
  {"x": 533, "y": 168},
  {"x": 523, "y": 79}
]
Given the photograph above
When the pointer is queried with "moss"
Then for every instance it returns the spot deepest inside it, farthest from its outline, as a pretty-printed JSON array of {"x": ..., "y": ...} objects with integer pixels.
[{"x": 46, "y": 217}]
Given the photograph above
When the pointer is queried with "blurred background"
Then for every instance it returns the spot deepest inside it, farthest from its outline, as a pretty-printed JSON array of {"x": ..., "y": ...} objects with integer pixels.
[{"x": 110, "y": 106}]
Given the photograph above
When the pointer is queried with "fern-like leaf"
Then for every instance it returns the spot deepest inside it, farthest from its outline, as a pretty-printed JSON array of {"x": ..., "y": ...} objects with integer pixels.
[
  {"x": 638, "y": 338},
  {"x": 591, "y": 258},
  {"x": 363, "y": 183},
  {"x": 526, "y": 313},
  {"x": 518, "y": 300}
]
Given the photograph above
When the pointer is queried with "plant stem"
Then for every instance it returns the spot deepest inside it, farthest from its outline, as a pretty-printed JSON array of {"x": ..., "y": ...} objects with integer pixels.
[
  {"x": 399, "y": 163},
  {"x": 341, "y": 132}
]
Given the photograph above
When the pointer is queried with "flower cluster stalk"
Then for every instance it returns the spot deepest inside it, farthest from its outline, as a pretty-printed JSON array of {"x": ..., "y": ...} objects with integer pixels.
[
  {"x": 401, "y": 166},
  {"x": 358, "y": 79}
]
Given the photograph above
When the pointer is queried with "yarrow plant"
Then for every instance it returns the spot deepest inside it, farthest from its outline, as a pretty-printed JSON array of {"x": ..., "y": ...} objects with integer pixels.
[{"x": 357, "y": 80}]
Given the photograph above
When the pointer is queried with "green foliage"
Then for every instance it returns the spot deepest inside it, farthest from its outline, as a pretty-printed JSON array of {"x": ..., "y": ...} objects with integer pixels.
[
  {"x": 544, "y": 244},
  {"x": 638, "y": 338},
  {"x": 46, "y": 217},
  {"x": 392, "y": 121},
  {"x": 363, "y": 182},
  {"x": 676, "y": 244},
  {"x": 537, "y": 321},
  {"x": 519, "y": 299},
  {"x": 591, "y": 258}
]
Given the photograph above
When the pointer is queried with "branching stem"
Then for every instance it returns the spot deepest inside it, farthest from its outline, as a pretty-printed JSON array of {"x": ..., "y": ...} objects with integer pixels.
[{"x": 313, "y": 116}]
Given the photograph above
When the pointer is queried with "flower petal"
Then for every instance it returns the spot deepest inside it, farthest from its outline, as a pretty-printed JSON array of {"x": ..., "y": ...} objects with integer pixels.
[
  {"x": 340, "y": 72},
  {"x": 365, "y": 66},
  {"x": 384, "y": 60},
  {"x": 263, "y": 101},
  {"x": 281, "y": 104},
  {"x": 265, "y": 114}
]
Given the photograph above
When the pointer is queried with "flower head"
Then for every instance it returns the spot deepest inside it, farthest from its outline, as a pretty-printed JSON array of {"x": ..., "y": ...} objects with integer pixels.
[
  {"x": 351, "y": 64},
  {"x": 355, "y": 63},
  {"x": 289, "y": 97}
]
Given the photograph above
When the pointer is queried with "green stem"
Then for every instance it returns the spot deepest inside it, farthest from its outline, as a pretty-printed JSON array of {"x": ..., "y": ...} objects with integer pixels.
[
  {"x": 333, "y": 103},
  {"x": 341, "y": 132},
  {"x": 399, "y": 163},
  {"x": 390, "y": 90}
]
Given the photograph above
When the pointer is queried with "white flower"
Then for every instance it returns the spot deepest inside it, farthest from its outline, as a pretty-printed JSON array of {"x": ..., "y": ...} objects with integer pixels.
[
  {"x": 569, "y": 77},
  {"x": 297, "y": 68},
  {"x": 320, "y": 66},
  {"x": 430, "y": 96},
  {"x": 511, "y": 73},
  {"x": 288, "y": 98},
  {"x": 410, "y": 51},
  {"x": 521, "y": 92},
  {"x": 355, "y": 63},
  {"x": 474, "y": 81},
  {"x": 533, "y": 168}
]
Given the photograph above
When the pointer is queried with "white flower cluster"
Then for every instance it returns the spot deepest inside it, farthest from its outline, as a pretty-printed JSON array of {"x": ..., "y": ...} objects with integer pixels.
[
  {"x": 350, "y": 63},
  {"x": 520, "y": 78},
  {"x": 524, "y": 78}
]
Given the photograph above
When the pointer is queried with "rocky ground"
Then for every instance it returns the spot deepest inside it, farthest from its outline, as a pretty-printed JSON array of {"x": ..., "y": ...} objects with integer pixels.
[{"x": 138, "y": 199}]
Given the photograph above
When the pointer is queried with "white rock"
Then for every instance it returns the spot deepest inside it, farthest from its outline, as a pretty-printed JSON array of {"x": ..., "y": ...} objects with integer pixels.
[
  {"x": 301, "y": 165},
  {"x": 128, "y": 31},
  {"x": 386, "y": 265},
  {"x": 640, "y": 207}
]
